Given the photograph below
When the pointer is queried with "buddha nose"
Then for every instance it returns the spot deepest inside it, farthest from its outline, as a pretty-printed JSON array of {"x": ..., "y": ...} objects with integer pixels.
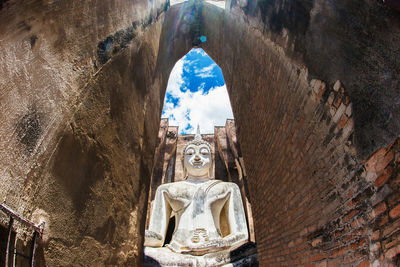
[{"x": 196, "y": 157}]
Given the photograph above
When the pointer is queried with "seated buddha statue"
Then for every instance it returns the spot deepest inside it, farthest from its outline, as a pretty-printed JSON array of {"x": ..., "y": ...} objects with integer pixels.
[{"x": 209, "y": 216}]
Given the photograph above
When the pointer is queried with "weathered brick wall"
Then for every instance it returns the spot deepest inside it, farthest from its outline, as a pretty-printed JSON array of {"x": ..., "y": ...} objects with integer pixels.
[
  {"x": 297, "y": 137},
  {"x": 314, "y": 202},
  {"x": 315, "y": 199}
]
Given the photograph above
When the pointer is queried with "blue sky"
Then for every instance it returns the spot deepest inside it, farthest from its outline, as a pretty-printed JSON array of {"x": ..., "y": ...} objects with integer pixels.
[{"x": 196, "y": 94}]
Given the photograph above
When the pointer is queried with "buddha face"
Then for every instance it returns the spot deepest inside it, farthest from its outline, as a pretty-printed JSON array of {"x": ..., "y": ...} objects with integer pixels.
[{"x": 197, "y": 160}]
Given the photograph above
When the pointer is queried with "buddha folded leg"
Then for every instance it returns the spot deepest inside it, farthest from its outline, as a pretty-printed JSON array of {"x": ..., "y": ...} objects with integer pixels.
[{"x": 167, "y": 258}]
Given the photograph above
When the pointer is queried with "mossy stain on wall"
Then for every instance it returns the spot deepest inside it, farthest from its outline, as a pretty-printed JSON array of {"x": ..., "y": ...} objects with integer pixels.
[{"x": 29, "y": 129}]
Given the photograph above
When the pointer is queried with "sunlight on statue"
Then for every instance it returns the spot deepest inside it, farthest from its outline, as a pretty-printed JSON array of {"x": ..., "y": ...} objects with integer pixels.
[{"x": 209, "y": 216}]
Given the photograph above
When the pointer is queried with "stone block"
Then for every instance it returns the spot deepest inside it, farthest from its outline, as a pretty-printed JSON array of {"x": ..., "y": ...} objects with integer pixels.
[
  {"x": 331, "y": 98},
  {"x": 339, "y": 113},
  {"x": 337, "y": 85},
  {"x": 349, "y": 110}
]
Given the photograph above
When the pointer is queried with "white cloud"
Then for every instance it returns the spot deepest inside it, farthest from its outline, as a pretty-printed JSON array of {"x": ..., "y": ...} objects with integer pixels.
[
  {"x": 205, "y": 72},
  {"x": 175, "y": 81},
  {"x": 207, "y": 110},
  {"x": 199, "y": 51},
  {"x": 175, "y": 2},
  {"x": 195, "y": 108}
]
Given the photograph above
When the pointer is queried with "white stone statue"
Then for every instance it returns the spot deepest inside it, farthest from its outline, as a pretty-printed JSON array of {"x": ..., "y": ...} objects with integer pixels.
[{"x": 209, "y": 215}]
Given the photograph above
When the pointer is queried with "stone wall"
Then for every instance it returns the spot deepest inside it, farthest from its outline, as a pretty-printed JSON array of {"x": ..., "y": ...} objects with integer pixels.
[
  {"x": 77, "y": 138},
  {"x": 82, "y": 87}
]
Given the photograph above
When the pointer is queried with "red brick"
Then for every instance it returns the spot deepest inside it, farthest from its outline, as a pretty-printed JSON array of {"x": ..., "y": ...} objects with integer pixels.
[
  {"x": 350, "y": 193},
  {"x": 346, "y": 100},
  {"x": 395, "y": 212},
  {"x": 381, "y": 180},
  {"x": 321, "y": 92},
  {"x": 338, "y": 252},
  {"x": 383, "y": 162},
  {"x": 391, "y": 229},
  {"x": 321, "y": 264},
  {"x": 375, "y": 235},
  {"x": 391, "y": 244},
  {"x": 356, "y": 223},
  {"x": 335, "y": 263},
  {"x": 318, "y": 257},
  {"x": 354, "y": 246},
  {"x": 363, "y": 264},
  {"x": 350, "y": 204},
  {"x": 379, "y": 209},
  {"x": 350, "y": 215},
  {"x": 337, "y": 101},
  {"x": 393, "y": 252},
  {"x": 372, "y": 161},
  {"x": 383, "y": 220}
]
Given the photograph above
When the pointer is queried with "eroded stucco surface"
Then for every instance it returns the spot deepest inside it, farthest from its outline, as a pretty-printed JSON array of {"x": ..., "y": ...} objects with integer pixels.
[{"x": 82, "y": 84}]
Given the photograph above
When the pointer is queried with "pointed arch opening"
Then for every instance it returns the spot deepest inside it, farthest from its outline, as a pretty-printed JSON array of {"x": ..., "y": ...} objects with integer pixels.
[{"x": 196, "y": 94}]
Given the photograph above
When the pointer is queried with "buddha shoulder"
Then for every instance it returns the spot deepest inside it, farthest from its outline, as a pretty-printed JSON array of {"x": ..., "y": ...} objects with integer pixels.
[
  {"x": 226, "y": 185},
  {"x": 173, "y": 188}
]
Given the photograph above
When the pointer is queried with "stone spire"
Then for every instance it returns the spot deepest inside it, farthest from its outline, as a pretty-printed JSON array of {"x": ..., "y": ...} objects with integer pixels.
[{"x": 197, "y": 137}]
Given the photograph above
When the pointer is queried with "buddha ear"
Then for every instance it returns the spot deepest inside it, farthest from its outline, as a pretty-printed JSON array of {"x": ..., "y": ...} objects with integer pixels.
[
  {"x": 185, "y": 173},
  {"x": 211, "y": 170},
  {"x": 184, "y": 169}
]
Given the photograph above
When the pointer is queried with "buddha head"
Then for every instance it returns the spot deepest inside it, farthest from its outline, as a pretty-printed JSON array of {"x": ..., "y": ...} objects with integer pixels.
[{"x": 197, "y": 158}]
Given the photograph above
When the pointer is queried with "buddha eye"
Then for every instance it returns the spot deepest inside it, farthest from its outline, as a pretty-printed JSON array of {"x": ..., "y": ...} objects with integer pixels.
[
  {"x": 190, "y": 151},
  {"x": 204, "y": 151}
]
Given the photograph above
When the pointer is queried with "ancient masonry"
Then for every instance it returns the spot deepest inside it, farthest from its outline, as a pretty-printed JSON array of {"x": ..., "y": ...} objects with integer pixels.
[{"x": 314, "y": 88}]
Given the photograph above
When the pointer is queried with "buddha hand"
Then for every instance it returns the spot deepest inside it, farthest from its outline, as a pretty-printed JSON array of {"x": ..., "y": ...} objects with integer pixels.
[{"x": 211, "y": 245}]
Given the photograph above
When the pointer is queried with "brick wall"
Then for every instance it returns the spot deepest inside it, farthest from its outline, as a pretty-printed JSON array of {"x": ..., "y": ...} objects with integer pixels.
[
  {"x": 314, "y": 202},
  {"x": 313, "y": 196}
]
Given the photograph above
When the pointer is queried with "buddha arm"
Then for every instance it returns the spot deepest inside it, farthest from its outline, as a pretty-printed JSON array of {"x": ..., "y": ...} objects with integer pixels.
[
  {"x": 237, "y": 220},
  {"x": 161, "y": 211}
]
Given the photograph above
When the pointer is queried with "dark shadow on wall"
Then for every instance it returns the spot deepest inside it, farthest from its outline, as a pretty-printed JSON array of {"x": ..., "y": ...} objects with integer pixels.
[
  {"x": 245, "y": 255},
  {"x": 78, "y": 166},
  {"x": 150, "y": 262}
]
